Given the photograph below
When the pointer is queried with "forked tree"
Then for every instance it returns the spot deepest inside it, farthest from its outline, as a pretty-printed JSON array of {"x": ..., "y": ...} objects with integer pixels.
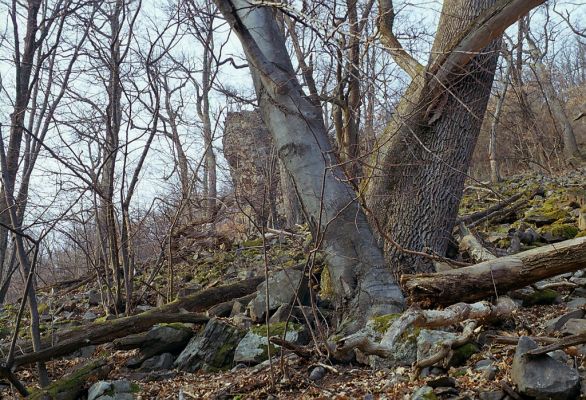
[{"x": 416, "y": 184}]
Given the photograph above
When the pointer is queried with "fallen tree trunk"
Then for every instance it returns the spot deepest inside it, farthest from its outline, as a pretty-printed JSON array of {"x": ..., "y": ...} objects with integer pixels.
[
  {"x": 106, "y": 331},
  {"x": 496, "y": 277},
  {"x": 71, "y": 386},
  {"x": 473, "y": 217}
]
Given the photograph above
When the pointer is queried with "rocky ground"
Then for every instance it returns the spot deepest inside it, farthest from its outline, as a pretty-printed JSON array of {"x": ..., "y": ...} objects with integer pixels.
[{"x": 228, "y": 357}]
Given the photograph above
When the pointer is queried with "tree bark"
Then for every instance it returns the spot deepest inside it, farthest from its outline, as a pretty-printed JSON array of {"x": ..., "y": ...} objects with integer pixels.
[
  {"x": 426, "y": 157},
  {"x": 496, "y": 277},
  {"x": 362, "y": 283}
]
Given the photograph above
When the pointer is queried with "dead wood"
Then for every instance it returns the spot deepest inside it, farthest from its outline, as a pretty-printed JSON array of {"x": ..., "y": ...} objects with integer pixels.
[
  {"x": 415, "y": 317},
  {"x": 496, "y": 277},
  {"x": 473, "y": 246},
  {"x": 503, "y": 212},
  {"x": 71, "y": 386},
  {"x": 65, "y": 342},
  {"x": 513, "y": 340},
  {"x": 447, "y": 347},
  {"x": 224, "y": 309},
  {"x": 478, "y": 215},
  {"x": 295, "y": 348},
  {"x": 568, "y": 341}
]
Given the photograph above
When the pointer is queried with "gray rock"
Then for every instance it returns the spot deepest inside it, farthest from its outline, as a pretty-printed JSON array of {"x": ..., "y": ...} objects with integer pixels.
[
  {"x": 576, "y": 303},
  {"x": 542, "y": 377},
  {"x": 212, "y": 349},
  {"x": 424, "y": 393},
  {"x": 554, "y": 325},
  {"x": 120, "y": 389},
  {"x": 492, "y": 395},
  {"x": 253, "y": 348},
  {"x": 158, "y": 363},
  {"x": 161, "y": 339},
  {"x": 98, "y": 389},
  {"x": 574, "y": 327},
  {"x": 282, "y": 289},
  {"x": 89, "y": 316},
  {"x": 317, "y": 373},
  {"x": 94, "y": 298}
]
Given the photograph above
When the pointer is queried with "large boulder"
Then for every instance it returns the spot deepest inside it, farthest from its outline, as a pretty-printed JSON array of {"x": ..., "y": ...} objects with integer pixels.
[
  {"x": 160, "y": 339},
  {"x": 212, "y": 349},
  {"x": 282, "y": 290},
  {"x": 542, "y": 377},
  {"x": 254, "y": 347}
]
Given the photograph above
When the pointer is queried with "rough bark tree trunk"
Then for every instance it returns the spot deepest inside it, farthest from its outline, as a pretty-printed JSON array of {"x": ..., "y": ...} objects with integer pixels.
[{"x": 426, "y": 159}]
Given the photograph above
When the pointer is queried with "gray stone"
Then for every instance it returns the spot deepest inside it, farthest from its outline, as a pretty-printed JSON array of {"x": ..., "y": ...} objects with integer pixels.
[
  {"x": 542, "y": 377},
  {"x": 94, "y": 298},
  {"x": 317, "y": 373},
  {"x": 253, "y": 348},
  {"x": 282, "y": 290},
  {"x": 574, "y": 327},
  {"x": 161, "y": 339},
  {"x": 111, "y": 390},
  {"x": 554, "y": 325},
  {"x": 89, "y": 316},
  {"x": 576, "y": 303},
  {"x": 212, "y": 349},
  {"x": 98, "y": 389},
  {"x": 492, "y": 395},
  {"x": 424, "y": 393},
  {"x": 158, "y": 363}
]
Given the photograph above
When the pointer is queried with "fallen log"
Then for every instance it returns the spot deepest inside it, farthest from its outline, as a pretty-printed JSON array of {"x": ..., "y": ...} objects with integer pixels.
[
  {"x": 470, "y": 244},
  {"x": 106, "y": 331},
  {"x": 71, "y": 386},
  {"x": 496, "y": 277},
  {"x": 473, "y": 217}
]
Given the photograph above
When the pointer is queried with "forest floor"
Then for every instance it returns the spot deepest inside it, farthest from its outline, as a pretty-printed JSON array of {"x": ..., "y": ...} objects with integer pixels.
[{"x": 554, "y": 215}]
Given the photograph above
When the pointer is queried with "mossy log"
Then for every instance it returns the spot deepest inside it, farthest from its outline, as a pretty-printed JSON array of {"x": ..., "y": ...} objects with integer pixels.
[
  {"x": 106, "y": 331},
  {"x": 496, "y": 277},
  {"x": 71, "y": 386}
]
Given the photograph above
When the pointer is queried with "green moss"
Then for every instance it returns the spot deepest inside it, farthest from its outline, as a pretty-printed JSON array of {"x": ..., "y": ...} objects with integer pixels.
[
  {"x": 504, "y": 243},
  {"x": 252, "y": 242},
  {"x": 69, "y": 386},
  {"x": 382, "y": 323},
  {"x": 566, "y": 231},
  {"x": 327, "y": 289},
  {"x": 276, "y": 329},
  {"x": 546, "y": 296},
  {"x": 134, "y": 388},
  {"x": 463, "y": 353},
  {"x": 42, "y": 308},
  {"x": 581, "y": 234}
]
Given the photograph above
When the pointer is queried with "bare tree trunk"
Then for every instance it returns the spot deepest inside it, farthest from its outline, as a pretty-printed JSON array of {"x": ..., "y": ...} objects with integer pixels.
[
  {"x": 556, "y": 107},
  {"x": 495, "y": 175},
  {"x": 24, "y": 68},
  {"x": 363, "y": 284}
]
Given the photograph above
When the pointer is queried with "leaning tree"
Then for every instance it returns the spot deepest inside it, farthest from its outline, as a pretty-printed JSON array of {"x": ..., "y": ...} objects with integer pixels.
[{"x": 412, "y": 191}]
